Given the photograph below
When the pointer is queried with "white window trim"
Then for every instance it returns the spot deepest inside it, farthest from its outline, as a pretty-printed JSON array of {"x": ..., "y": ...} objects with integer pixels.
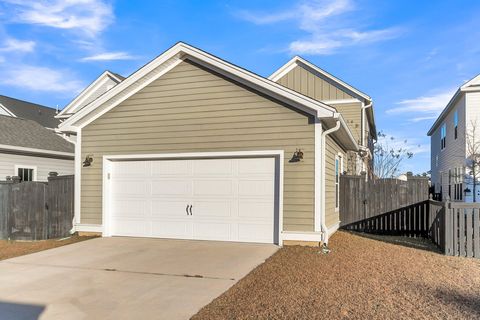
[
  {"x": 26, "y": 166},
  {"x": 339, "y": 157}
]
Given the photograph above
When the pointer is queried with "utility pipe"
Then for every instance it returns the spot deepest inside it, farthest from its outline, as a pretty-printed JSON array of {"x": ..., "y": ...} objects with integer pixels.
[{"x": 324, "y": 135}]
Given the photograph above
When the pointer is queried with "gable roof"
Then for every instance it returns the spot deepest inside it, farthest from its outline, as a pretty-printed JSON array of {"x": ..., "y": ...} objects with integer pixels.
[
  {"x": 43, "y": 115},
  {"x": 18, "y": 134},
  {"x": 180, "y": 52},
  {"x": 88, "y": 93},
  {"x": 303, "y": 63},
  {"x": 469, "y": 86},
  {"x": 299, "y": 61}
]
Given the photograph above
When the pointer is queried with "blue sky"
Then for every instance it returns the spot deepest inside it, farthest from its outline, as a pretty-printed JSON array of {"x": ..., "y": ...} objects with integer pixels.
[{"x": 409, "y": 56}]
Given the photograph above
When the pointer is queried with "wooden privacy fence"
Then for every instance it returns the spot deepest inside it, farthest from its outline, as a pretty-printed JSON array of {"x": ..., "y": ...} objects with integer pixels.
[
  {"x": 453, "y": 226},
  {"x": 361, "y": 199},
  {"x": 37, "y": 210}
]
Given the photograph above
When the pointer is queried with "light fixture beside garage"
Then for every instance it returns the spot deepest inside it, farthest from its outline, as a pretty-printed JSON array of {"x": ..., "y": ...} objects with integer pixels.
[
  {"x": 88, "y": 161},
  {"x": 297, "y": 156}
]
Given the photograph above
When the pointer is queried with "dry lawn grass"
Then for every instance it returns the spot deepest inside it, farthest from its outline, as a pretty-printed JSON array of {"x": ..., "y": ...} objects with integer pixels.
[
  {"x": 361, "y": 278},
  {"x": 11, "y": 249}
]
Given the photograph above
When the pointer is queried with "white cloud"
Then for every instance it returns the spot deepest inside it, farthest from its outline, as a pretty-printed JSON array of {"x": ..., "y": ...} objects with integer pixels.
[
  {"x": 2, "y": 59},
  {"x": 425, "y": 107},
  {"x": 40, "y": 79},
  {"x": 87, "y": 16},
  {"x": 326, "y": 30},
  {"x": 109, "y": 56},
  {"x": 11, "y": 45}
]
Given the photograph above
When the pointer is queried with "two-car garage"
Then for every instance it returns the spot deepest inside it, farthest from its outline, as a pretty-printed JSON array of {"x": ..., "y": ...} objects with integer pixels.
[{"x": 209, "y": 198}]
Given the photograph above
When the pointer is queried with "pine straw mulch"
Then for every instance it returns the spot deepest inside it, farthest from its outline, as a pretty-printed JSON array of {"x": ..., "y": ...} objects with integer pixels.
[
  {"x": 10, "y": 249},
  {"x": 362, "y": 278}
]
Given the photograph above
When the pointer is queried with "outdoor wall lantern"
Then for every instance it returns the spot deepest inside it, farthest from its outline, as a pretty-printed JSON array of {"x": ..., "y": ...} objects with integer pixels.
[
  {"x": 88, "y": 161},
  {"x": 297, "y": 156},
  {"x": 467, "y": 190}
]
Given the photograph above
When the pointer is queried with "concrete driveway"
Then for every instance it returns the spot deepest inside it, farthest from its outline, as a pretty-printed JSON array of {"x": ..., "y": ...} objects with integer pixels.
[{"x": 124, "y": 278}]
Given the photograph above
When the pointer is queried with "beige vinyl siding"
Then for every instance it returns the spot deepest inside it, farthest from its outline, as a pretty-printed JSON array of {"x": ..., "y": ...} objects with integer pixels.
[
  {"x": 190, "y": 109},
  {"x": 332, "y": 149},
  {"x": 352, "y": 113},
  {"x": 44, "y": 165},
  {"x": 313, "y": 86}
]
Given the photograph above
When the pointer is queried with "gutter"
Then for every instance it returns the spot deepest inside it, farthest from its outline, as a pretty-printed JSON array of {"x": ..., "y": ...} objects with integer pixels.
[
  {"x": 364, "y": 115},
  {"x": 324, "y": 135}
]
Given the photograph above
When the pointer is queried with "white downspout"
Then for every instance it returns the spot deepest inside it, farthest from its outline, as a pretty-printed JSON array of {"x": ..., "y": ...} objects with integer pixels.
[
  {"x": 324, "y": 135},
  {"x": 362, "y": 135}
]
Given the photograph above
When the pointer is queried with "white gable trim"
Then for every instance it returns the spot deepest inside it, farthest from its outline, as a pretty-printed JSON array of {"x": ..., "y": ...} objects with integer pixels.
[
  {"x": 175, "y": 55},
  {"x": 86, "y": 93},
  {"x": 34, "y": 150},
  {"x": 8, "y": 112},
  {"x": 299, "y": 61}
]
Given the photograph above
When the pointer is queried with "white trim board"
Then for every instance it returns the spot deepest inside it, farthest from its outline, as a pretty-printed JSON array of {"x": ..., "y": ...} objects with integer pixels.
[
  {"x": 7, "y": 111},
  {"x": 301, "y": 236},
  {"x": 182, "y": 51},
  {"x": 108, "y": 159},
  {"x": 333, "y": 229},
  {"x": 84, "y": 227}
]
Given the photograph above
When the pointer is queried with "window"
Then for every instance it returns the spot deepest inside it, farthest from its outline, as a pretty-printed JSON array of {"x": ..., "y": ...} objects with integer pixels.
[
  {"x": 26, "y": 173},
  {"x": 338, "y": 170},
  {"x": 443, "y": 136},
  {"x": 455, "y": 125},
  {"x": 450, "y": 183}
]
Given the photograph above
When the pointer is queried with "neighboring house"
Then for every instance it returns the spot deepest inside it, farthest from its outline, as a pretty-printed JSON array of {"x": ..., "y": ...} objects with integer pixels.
[
  {"x": 355, "y": 106},
  {"x": 44, "y": 116},
  {"x": 449, "y": 144},
  {"x": 193, "y": 147},
  {"x": 31, "y": 151}
]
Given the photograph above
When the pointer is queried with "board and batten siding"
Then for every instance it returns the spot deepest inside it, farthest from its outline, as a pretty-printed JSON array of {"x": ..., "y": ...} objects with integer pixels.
[
  {"x": 352, "y": 113},
  {"x": 453, "y": 156},
  {"x": 332, "y": 149},
  {"x": 44, "y": 165},
  {"x": 190, "y": 109},
  {"x": 311, "y": 85}
]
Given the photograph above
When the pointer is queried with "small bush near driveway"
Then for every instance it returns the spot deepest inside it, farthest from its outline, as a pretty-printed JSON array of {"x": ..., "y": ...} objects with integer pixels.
[{"x": 361, "y": 278}]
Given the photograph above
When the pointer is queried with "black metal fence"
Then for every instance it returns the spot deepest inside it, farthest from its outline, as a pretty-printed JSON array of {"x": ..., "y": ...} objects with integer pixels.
[{"x": 37, "y": 210}]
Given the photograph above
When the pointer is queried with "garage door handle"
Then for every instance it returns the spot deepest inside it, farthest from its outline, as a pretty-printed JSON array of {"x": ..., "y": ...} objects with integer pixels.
[
  {"x": 186, "y": 209},
  {"x": 191, "y": 206}
]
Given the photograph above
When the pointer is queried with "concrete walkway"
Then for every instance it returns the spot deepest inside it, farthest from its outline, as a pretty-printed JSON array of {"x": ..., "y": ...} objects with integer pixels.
[{"x": 124, "y": 278}]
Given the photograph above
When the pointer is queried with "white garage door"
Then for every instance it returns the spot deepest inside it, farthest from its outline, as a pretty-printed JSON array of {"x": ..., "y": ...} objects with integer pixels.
[{"x": 204, "y": 199}]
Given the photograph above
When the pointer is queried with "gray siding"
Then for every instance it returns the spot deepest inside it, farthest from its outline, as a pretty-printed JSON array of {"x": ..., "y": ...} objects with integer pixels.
[
  {"x": 352, "y": 113},
  {"x": 192, "y": 110},
  {"x": 44, "y": 165},
  {"x": 313, "y": 86}
]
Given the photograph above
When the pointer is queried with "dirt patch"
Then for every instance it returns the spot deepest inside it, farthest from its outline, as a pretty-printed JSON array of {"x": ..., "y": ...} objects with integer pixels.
[
  {"x": 361, "y": 278},
  {"x": 11, "y": 249}
]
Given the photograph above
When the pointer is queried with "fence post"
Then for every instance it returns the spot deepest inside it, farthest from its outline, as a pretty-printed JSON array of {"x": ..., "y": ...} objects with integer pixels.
[{"x": 446, "y": 227}]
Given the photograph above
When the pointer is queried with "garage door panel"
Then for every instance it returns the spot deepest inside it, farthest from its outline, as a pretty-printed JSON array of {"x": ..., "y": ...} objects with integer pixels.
[
  {"x": 164, "y": 208},
  {"x": 214, "y": 167},
  {"x": 129, "y": 208},
  {"x": 129, "y": 187},
  {"x": 212, "y": 208},
  {"x": 212, "y": 231},
  {"x": 171, "y": 229},
  {"x": 255, "y": 232},
  {"x": 255, "y": 188},
  {"x": 232, "y": 199},
  {"x": 255, "y": 209},
  {"x": 171, "y": 168},
  {"x": 212, "y": 187},
  {"x": 171, "y": 187}
]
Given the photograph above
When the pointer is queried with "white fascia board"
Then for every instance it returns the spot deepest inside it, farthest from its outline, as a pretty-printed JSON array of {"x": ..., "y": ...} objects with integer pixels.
[
  {"x": 36, "y": 151},
  {"x": 183, "y": 51},
  {"x": 445, "y": 111},
  {"x": 341, "y": 101},
  {"x": 10, "y": 113},
  {"x": 87, "y": 91}
]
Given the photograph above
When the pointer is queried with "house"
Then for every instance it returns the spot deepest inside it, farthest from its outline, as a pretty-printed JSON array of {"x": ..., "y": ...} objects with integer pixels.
[
  {"x": 191, "y": 146},
  {"x": 29, "y": 146},
  {"x": 451, "y": 144}
]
